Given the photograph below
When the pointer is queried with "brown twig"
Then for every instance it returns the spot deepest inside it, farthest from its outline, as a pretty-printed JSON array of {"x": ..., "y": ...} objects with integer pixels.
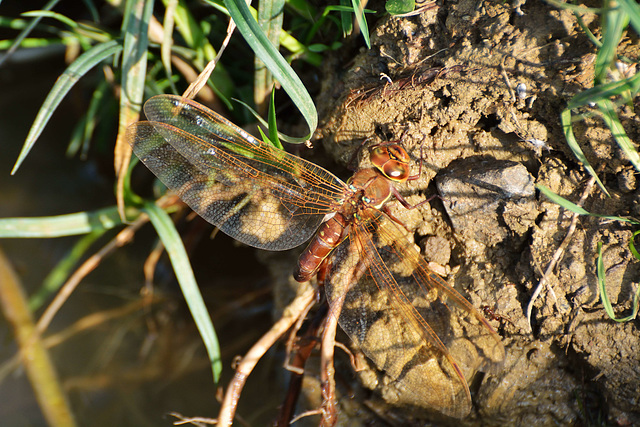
[
  {"x": 199, "y": 83},
  {"x": 290, "y": 315},
  {"x": 558, "y": 253}
]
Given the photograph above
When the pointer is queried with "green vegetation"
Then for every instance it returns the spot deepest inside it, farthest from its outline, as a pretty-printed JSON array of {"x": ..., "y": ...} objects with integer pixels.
[
  {"x": 615, "y": 83},
  {"x": 160, "y": 48}
]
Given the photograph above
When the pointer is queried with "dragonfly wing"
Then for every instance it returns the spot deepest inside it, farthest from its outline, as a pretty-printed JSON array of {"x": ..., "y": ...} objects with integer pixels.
[
  {"x": 253, "y": 192},
  {"x": 408, "y": 321}
]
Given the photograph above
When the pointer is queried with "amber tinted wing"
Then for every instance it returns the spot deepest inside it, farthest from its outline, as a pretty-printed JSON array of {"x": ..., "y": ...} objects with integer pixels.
[
  {"x": 253, "y": 192},
  {"x": 407, "y": 320}
]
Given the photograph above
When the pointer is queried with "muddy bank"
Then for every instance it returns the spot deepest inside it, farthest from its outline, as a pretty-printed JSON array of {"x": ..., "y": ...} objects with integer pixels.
[{"x": 476, "y": 91}]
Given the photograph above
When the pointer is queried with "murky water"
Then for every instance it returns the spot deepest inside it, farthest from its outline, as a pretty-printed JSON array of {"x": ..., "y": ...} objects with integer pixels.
[{"x": 141, "y": 364}]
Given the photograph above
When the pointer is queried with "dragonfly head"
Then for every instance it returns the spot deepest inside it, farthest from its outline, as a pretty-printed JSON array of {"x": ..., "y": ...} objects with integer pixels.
[{"x": 392, "y": 160}]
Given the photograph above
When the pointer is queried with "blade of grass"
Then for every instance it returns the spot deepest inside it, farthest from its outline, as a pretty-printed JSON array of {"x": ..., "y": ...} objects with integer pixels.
[
  {"x": 632, "y": 9},
  {"x": 614, "y": 21},
  {"x": 575, "y": 8},
  {"x": 358, "y": 9},
  {"x": 53, "y": 15},
  {"x": 302, "y": 8},
  {"x": 65, "y": 82},
  {"x": 167, "y": 40},
  {"x": 278, "y": 66},
  {"x": 62, "y": 225},
  {"x": 577, "y": 209},
  {"x": 277, "y": 143},
  {"x": 273, "y": 124},
  {"x": 346, "y": 19},
  {"x": 319, "y": 23},
  {"x": 134, "y": 67},
  {"x": 32, "y": 43},
  {"x": 567, "y": 127},
  {"x": 608, "y": 308},
  {"x": 299, "y": 50},
  {"x": 189, "y": 28},
  {"x": 398, "y": 7},
  {"x": 613, "y": 123},
  {"x": 81, "y": 138},
  {"x": 61, "y": 272},
  {"x": 181, "y": 266},
  {"x": 605, "y": 91},
  {"x": 632, "y": 246},
  {"x": 270, "y": 17},
  {"x": 25, "y": 32}
]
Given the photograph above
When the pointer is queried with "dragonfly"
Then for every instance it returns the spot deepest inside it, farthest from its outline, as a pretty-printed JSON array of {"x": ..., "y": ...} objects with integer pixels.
[{"x": 410, "y": 322}]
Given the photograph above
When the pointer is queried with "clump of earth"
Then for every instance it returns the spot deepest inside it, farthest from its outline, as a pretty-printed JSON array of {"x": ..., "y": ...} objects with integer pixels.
[{"x": 475, "y": 90}]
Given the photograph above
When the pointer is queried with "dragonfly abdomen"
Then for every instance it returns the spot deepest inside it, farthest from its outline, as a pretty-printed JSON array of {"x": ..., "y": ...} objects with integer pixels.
[{"x": 329, "y": 235}]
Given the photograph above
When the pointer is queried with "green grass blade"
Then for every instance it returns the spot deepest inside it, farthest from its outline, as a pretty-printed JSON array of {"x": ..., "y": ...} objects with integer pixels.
[
  {"x": 601, "y": 284},
  {"x": 273, "y": 123},
  {"x": 584, "y": 27},
  {"x": 62, "y": 225},
  {"x": 605, "y": 91},
  {"x": 52, "y": 15},
  {"x": 632, "y": 246},
  {"x": 65, "y": 82},
  {"x": 299, "y": 50},
  {"x": 608, "y": 308},
  {"x": 181, "y": 266},
  {"x": 567, "y": 126},
  {"x": 270, "y": 17},
  {"x": 358, "y": 9},
  {"x": 25, "y": 32},
  {"x": 632, "y": 9},
  {"x": 559, "y": 200},
  {"x": 346, "y": 18},
  {"x": 302, "y": 8},
  {"x": 613, "y": 123},
  {"x": 97, "y": 102},
  {"x": 398, "y": 7},
  {"x": 134, "y": 61},
  {"x": 135, "y": 25},
  {"x": 84, "y": 130},
  {"x": 614, "y": 21},
  {"x": 577, "y": 209},
  {"x": 572, "y": 7},
  {"x": 190, "y": 30},
  {"x": 61, "y": 272},
  {"x": 30, "y": 43},
  {"x": 167, "y": 40},
  {"x": 278, "y": 66}
]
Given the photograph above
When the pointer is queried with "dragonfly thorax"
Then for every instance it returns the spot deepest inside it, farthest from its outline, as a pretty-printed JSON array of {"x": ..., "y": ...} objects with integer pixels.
[{"x": 372, "y": 187}]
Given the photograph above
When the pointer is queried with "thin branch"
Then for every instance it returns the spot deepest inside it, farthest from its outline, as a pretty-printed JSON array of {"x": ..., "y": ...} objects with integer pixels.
[
  {"x": 559, "y": 252},
  {"x": 290, "y": 316}
]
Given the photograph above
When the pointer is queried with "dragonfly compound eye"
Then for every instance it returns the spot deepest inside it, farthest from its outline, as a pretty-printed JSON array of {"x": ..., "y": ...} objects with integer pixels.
[{"x": 392, "y": 160}]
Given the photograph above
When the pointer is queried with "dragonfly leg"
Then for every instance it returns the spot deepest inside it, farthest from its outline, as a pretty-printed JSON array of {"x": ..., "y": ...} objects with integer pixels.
[
  {"x": 327, "y": 369},
  {"x": 355, "y": 155},
  {"x": 304, "y": 344}
]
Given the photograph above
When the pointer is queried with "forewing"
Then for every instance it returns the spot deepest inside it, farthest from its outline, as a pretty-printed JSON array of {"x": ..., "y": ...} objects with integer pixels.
[
  {"x": 407, "y": 320},
  {"x": 253, "y": 192}
]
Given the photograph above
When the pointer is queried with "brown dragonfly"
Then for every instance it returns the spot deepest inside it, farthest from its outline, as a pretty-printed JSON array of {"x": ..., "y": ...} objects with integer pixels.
[{"x": 406, "y": 319}]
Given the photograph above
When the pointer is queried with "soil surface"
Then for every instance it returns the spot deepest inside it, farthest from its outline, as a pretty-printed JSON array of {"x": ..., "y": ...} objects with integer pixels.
[{"x": 475, "y": 90}]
